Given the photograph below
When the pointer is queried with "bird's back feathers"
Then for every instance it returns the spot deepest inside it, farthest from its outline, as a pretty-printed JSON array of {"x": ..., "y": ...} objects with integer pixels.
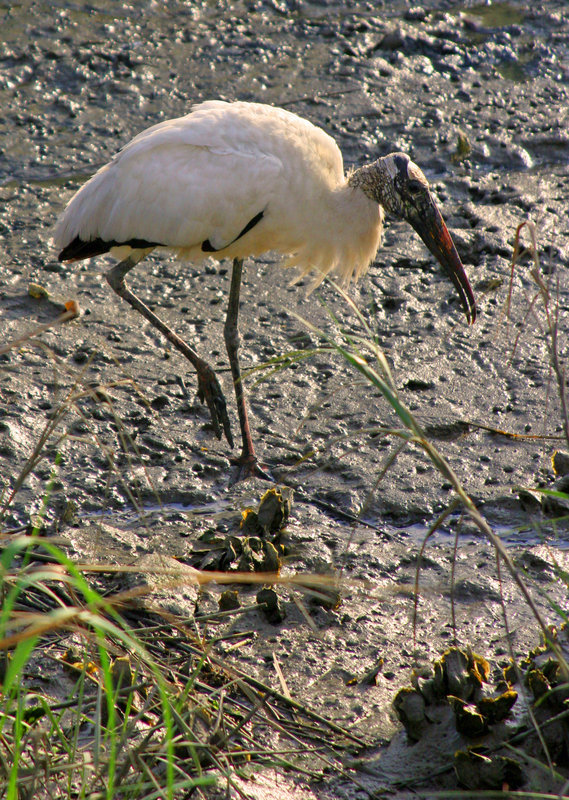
[{"x": 204, "y": 177}]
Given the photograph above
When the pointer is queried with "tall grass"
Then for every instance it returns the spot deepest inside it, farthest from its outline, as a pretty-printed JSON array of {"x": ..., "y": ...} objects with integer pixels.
[
  {"x": 137, "y": 705},
  {"x": 355, "y": 350}
]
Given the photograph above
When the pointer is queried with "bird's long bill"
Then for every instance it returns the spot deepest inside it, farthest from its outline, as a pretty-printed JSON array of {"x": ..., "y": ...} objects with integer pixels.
[{"x": 430, "y": 226}]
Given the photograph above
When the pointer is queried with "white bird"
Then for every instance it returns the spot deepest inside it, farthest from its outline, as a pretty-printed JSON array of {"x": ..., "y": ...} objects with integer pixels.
[{"x": 232, "y": 180}]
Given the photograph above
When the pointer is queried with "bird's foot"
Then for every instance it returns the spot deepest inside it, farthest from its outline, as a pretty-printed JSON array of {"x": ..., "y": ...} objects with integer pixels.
[
  {"x": 210, "y": 392},
  {"x": 247, "y": 466}
]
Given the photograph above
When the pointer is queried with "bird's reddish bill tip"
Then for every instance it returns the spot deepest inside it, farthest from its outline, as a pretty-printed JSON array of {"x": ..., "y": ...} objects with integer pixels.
[{"x": 433, "y": 231}]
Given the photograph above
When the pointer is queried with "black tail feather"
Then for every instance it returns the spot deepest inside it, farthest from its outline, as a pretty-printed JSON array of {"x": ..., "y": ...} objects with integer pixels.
[{"x": 77, "y": 249}]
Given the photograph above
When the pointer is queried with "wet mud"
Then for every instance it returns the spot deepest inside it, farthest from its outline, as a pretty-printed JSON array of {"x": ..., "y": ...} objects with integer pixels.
[{"x": 478, "y": 96}]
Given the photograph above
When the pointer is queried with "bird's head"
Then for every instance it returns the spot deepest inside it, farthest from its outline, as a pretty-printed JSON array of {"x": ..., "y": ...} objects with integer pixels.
[{"x": 397, "y": 184}]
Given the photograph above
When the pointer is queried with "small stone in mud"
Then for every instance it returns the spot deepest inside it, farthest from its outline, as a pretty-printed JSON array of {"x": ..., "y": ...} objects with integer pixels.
[
  {"x": 258, "y": 556},
  {"x": 457, "y": 673},
  {"x": 69, "y": 513},
  {"x": 272, "y": 608},
  {"x": 271, "y": 515},
  {"x": 160, "y": 402},
  {"x": 37, "y": 291},
  {"x": 557, "y": 505},
  {"x": 416, "y": 14},
  {"x": 495, "y": 709},
  {"x": 475, "y": 771},
  {"x": 537, "y": 683},
  {"x": 274, "y": 509},
  {"x": 469, "y": 720},
  {"x": 409, "y": 705},
  {"x": 229, "y": 600},
  {"x": 463, "y": 148},
  {"x": 250, "y": 523},
  {"x": 560, "y": 463}
]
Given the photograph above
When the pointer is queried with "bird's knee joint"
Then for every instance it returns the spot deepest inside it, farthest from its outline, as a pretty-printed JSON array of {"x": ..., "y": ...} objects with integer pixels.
[{"x": 116, "y": 282}]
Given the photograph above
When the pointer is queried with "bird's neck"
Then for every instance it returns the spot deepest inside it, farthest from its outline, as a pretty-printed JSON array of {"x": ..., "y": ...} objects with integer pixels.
[
  {"x": 340, "y": 233},
  {"x": 374, "y": 181}
]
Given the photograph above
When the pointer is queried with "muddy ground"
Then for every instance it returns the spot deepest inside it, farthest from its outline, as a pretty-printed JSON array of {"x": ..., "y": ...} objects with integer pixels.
[{"x": 78, "y": 82}]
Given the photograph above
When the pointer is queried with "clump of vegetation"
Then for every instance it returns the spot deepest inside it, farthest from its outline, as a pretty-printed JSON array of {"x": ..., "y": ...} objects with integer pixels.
[{"x": 104, "y": 698}]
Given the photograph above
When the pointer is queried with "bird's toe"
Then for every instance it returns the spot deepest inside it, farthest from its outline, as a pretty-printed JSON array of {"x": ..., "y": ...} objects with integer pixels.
[
  {"x": 210, "y": 392},
  {"x": 247, "y": 466}
]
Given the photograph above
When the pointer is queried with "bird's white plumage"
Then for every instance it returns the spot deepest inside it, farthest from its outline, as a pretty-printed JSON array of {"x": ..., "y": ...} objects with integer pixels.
[
  {"x": 204, "y": 176},
  {"x": 237, "y": 180}
]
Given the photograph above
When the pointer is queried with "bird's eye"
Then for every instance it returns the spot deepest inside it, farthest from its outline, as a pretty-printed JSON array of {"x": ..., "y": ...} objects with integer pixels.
[{"x": 415, "y": 186}]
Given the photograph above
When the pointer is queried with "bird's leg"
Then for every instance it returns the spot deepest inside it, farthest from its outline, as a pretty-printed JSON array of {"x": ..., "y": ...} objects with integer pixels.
[
  {"x": 209, "y": 389},
  {"x": 247, "y": 461}
]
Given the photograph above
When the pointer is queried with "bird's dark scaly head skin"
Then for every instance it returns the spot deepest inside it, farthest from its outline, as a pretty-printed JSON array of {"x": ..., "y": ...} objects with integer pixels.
[{"x": 400, "y": 187}]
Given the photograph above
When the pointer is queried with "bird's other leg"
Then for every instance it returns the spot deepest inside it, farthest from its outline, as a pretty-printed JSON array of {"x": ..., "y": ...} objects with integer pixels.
[
  {"x": 247, "y": 461},
  {"x": 209, "y": 389}
]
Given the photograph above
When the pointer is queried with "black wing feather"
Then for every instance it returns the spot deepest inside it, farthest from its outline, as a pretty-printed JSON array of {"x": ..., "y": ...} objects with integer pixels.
[{"x": 77, "y": 249}]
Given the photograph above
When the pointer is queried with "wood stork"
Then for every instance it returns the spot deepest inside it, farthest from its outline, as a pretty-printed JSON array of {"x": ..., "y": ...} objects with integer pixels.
[{"x": 232, "y": 180}]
